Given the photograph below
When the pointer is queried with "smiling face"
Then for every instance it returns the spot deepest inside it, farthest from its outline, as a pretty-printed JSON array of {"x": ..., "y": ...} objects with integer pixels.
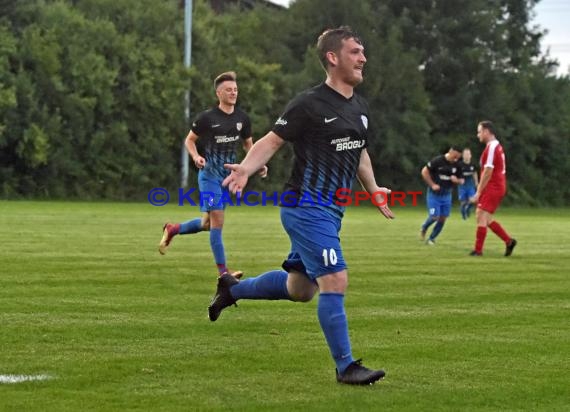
[
  {"x": 341, "y": 54},
  {"x": 349, "y": 61},
  {"x": 227, "y": 93}
]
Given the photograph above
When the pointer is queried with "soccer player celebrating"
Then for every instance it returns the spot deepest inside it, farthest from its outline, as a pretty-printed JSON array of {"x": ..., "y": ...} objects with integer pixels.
[
  {"x": 467, "y": 190},
  {"x": 221, "y": 128},
  {"x": 312, "y": 123},
  {"x": 440, "y": 174},
  {"x": 491, "y": 189}
]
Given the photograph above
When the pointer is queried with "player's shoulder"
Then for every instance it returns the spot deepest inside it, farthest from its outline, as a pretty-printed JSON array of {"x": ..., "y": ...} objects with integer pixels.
[
  {"x": 308, "y": 96},
  {"x": 210, "y": 111},
  {"x": 438, "y": 159},
  {"x": 494, "y": 144},
  {"x": 206, "y": 114},
  {"x": 203, "y": 120},
  {"x": 322, "y": 95},
  {"x": 319, "y": 93},
  {"x": 434, "y": 162},
  {"x": 494, "y": 147},
  {"x": 304, "y": 101},
  {"x": 360, "y": 100},
  {"x": 240, "y": 112}
]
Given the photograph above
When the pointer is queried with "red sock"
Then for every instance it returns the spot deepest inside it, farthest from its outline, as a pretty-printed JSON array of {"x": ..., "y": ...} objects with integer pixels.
[
  {"x": 499, "y": 231},
  {"x": 480, "y": 238}
]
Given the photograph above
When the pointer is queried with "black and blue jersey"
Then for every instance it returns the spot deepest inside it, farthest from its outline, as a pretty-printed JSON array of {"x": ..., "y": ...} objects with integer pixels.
[
  {"x": 328, "y": 133},
  {"x": 441, "y": 170},
  {"x": 469, "y": 171},
  {"x": 220, "y": 134}
]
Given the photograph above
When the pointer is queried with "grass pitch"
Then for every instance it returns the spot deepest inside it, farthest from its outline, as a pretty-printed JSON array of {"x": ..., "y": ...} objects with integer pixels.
[{"x": 87, "y": 300}]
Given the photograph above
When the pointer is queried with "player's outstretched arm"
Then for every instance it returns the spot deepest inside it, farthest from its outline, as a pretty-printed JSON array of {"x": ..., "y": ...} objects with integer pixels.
[
  {"x": 247, "y": 145},
  {"x": 255, "y": 159},
  {"x": 366, "y": 177}
]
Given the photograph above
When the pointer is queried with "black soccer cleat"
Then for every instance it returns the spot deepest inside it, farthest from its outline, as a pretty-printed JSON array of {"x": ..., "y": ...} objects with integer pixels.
[
  {"x": 510, "y": 247},
  {"x": 475, "y": 253},
  {"x": 356, "y": 374},
  {"x": 223, "y": 298}
]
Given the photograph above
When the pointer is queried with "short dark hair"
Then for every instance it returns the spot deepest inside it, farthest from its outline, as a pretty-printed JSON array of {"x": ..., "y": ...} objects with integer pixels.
[
  {"x": 455, "y": 148},
  {"x": 224, "y": 77},
  {"x": 331, "y": 40},
  {"x": 487, "y": 124}
]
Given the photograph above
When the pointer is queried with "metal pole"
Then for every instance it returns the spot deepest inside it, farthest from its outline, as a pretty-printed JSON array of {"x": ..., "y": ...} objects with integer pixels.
[{"x": 187, "y": 63}]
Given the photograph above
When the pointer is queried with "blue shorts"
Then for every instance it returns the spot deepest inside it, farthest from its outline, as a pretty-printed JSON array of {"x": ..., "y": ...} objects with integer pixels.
[
  {"x": 213, "y": 196},
  {"x": 464, "y": 193},
  {"x": 315, "y": 243},
  {"x": 439, "y": 205}
]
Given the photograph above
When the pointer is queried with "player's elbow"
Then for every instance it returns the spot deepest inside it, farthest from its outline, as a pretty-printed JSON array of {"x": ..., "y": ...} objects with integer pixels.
[
  {"x": 189, "y": 143},
  {"x": 273, "y": 141}
]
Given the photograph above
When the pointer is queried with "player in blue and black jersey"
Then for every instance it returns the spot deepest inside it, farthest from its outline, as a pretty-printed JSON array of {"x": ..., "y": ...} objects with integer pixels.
[
  {"x": 468, "y": 189},
  {"x": 328, "y": 129},
  {"x": 441, "y": 174},
  {"x": 221, "y": 130}
]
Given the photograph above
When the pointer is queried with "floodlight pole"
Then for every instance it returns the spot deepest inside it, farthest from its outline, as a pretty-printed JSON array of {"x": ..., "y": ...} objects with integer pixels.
[{"x": 187, "y": 63}]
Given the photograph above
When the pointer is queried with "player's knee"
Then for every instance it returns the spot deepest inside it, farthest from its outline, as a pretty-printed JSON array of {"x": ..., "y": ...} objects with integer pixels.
[
  {"x": 303, "y": 295},
  {"x": 216, "y": 219},
  {"x": 334, "y": 282},
  {"x": 300, "y": 289},
  {"x": 481, "y": 217}
]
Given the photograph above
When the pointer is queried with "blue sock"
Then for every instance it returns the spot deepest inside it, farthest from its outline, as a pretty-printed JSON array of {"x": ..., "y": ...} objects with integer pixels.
[
  {"x": 271, "y": 285},
  {"x": 192, "y": 226},
  {"x": 437, "y": 229},
  {"x": 463, "y": 210},
  {"x": 429, "y": 221},
  {"x": 332, "y": 318},
  {"x": 217, "y": 246}
]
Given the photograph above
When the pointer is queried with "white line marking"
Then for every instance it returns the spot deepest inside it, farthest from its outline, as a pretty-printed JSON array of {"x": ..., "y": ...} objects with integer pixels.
[{"x": 23, "y": 378}]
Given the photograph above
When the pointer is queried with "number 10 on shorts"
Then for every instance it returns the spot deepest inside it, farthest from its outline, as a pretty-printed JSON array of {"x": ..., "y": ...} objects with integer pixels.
[{"x": 329, "y": 257}]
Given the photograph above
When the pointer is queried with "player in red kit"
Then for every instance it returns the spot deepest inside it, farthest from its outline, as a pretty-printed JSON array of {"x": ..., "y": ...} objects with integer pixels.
[{"x": 491, "y": 189}]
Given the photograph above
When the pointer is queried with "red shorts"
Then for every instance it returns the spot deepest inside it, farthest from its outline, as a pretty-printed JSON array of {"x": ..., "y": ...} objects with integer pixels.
[{"x": 490, "y": 200}]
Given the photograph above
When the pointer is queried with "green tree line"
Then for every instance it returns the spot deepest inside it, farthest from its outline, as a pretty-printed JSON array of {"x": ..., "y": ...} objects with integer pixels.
[{"x": 92, "y": 91}]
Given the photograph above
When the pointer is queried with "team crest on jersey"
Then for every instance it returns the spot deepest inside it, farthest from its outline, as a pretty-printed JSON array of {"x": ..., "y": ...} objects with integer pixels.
[
  {"x": 238, "y": 125},
  {"x": 364, "y": 120}
]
